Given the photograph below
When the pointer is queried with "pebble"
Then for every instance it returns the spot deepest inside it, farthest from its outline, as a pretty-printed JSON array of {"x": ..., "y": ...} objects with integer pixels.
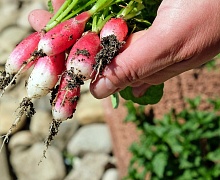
[
  {"x": 91, "y": 167},
  {"x": 26, "y": 163},
  {"x": 8, "y": 107},
  {"x": 4, "y": 168},
  {"x": 90, "y": 138},
  {"x": 89, "y": 110},
  {"x": 40, "y": 123},
  {"x": 111, "y": 174}
]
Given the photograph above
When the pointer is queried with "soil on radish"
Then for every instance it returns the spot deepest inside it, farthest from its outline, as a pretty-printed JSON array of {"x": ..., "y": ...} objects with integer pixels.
[
  {"x": 110, "y": 48},
  {"x": 83, "y": 52},
  {"x": 26, "y": 107},
  {"x": 74, "y": 81},
  {"x": 5, "y": 79}
]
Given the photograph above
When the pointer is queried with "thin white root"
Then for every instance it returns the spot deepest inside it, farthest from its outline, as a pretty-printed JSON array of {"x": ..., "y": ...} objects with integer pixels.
[
  {"x": 98, "y": 71},
  {"x": 53, "y": 130},
  {"x": 25, "y": 106},
  {"x": 6, "y": 137}
]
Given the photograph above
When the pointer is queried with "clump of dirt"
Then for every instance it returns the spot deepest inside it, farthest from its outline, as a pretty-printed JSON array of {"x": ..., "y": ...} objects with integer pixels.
[
  {"x": 110, "y": 48},
  {"x": 75, "y": 79},
  {"x": 83, "y": 52},
  {"x": 5, "y": 79}
]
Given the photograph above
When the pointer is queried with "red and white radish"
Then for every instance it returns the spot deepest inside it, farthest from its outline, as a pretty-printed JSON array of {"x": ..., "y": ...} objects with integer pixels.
[
  {"x": 45, "y": 75},
  {"x": 79, "y": 67},
  {"x": 82, "y": 55},
  {"x": 117, "y": 27},
  {"x": 21, "y": 53},
  {"x": 112, "y": 36},
  {"x": 64, "y": 104},
  {"x": 64, "y": 35},
  {"x": 22, "y": 57}
]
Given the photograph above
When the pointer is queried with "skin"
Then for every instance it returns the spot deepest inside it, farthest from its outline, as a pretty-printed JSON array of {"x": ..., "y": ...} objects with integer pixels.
[{"x": 184, "y": 35}]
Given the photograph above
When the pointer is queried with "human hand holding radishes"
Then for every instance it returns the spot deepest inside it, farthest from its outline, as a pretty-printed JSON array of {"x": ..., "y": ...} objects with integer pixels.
[{"x": 184, "y": 35}]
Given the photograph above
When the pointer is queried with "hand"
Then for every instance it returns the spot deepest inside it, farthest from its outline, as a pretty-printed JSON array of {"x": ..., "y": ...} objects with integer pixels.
[{"x": 184, "y": 35}]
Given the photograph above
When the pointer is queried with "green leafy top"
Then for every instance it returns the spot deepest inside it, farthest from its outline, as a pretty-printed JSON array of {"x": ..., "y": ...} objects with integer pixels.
[{"x": 50, "y": 6}]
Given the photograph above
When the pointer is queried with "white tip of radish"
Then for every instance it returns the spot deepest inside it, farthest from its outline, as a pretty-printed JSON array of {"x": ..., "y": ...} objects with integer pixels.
[
  {"x": 60, "y": 114},
  {"x": 9, "y": 68},
  {"x": 45, "y": 46},
  {"x": 37, "y": 88}
]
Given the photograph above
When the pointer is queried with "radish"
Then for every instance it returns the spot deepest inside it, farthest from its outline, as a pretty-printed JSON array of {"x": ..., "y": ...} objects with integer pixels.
[
  {"x": 64, "y": 35},
  {"x": 64, "y": 101},
  {"x": 117, "y": 27},
  {"x": 79, "y": 67},
  {"x": 21, "y": 53},
  {"x": 45, "y": 75},
  {"x": 22, "y": 57},
  {"x": 82, "y": 56},
  {"x": 112, "y": 37},
  {"x": 43, "y": 78}
]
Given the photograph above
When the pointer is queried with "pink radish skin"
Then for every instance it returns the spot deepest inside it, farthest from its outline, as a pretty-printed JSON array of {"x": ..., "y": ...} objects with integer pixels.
[
  {"x": 64, "y": 35},
  {"x": 45, "y": 75},
  {"x": 21, "y": 53},
  {"x": 66, "y": 100},
  {"x": 116, "y": 26},
  {"x": 82, "y": 55}
]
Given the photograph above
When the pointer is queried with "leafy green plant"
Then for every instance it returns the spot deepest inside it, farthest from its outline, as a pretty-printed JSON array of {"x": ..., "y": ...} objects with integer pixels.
[{"x": 180, "y": 146}]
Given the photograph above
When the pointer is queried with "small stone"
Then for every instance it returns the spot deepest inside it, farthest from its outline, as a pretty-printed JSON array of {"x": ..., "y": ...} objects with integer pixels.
[
  {"x": 40, "y": 123},
  {"x": 21, "y": 140},
  {"x": 89, "y": 110},
  {"x": 111, "y": 174},
  {"x": 43, "y": 104},
  {"x": 8, "y": 107},
  {"x": 91, "y": 167},
  {"x": 4, "y": 168},
  {"x": 90, "y": 138},
  {"x": 26, "y": 163},
  {"x": 11, "y": 36}
]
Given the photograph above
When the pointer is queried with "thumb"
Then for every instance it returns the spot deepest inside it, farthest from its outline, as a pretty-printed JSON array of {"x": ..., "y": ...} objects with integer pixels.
[{"x": 129, "y": 66}]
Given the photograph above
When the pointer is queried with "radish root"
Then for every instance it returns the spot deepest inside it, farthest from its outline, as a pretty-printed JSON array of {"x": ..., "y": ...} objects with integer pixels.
[
  {"x": 53, "y": 131},
  {"x": 26, "y": 107},
  {"x": 110, "y": 48}
]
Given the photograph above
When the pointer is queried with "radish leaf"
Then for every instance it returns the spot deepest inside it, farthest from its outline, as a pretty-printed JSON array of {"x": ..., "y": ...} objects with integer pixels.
[
  {"x": 115, "y": 100},
  {"x": 152, "y": 96},
  {"x": 50, "y": 6}
]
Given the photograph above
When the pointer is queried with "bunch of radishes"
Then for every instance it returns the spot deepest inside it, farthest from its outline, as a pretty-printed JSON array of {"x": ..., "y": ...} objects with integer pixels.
[{"x": 66, "y": 53}]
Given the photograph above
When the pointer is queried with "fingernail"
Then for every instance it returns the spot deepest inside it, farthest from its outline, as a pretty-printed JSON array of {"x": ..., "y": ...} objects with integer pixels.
[{"x": 103, "y": 88}]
